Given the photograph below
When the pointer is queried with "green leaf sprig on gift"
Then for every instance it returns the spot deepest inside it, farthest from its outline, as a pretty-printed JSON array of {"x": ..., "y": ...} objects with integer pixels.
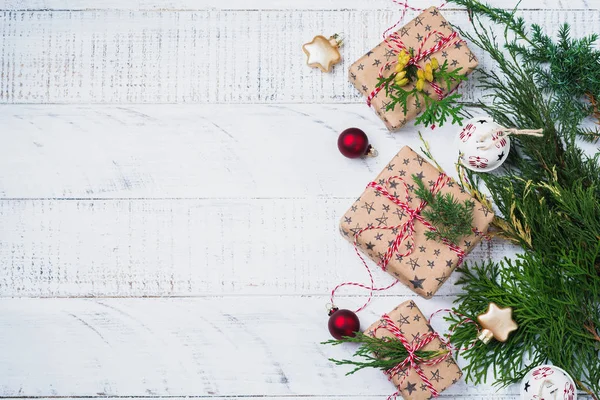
[
  {"x": 435, "y": 111},
  {"x": 382, "y": 353},
  {"x": 452, "y": 219}
]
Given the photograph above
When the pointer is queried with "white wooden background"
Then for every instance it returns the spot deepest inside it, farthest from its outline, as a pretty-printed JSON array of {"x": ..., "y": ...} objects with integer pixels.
[{"x": 170, "y": 190}]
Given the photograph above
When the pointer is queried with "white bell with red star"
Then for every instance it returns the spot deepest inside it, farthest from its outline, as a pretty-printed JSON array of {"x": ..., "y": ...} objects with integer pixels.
[{"x": 483, "y": 144}]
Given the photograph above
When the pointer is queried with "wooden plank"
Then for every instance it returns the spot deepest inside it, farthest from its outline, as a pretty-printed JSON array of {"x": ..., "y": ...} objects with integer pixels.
[
  {"x": 215, "y": 348},
  {"x": 213, "y": 151},
  {"x": 191, "y": 152},
  {"x": 206, "y": 56},
  {"x": 445, "y": 396},
  {"x": 293, "y": 397},
  {"x": 179, "y": 200},
  {"x": 123, "y": 247},
  {"x": 266, "y": 4}
]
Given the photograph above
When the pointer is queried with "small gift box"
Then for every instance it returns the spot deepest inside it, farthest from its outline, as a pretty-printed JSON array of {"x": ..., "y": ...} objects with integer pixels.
[
  {"x": 427, "y": 36},
  {"x": 416, "y": 379},
  {"x": 386, "y": 223}
]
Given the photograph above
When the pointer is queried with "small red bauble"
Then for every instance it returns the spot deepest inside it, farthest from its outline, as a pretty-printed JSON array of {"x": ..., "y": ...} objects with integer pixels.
[
  {"x": 353, "y": 143},
  {"x": 343, "y": 323}
]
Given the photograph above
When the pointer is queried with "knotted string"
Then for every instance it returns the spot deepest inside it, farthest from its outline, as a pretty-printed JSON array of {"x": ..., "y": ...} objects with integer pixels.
[
  {"x": 406, "y": 232},
  {"x": 499, "y": 135}
]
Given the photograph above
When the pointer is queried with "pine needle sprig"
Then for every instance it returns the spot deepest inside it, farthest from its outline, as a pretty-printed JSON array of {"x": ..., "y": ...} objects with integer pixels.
[
  {"x": 381, "y": 353},
  {"x": 453, "y": 219}
]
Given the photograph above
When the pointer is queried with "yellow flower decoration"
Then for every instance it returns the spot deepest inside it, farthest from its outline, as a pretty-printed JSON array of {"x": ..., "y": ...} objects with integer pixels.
[
  {"x": 420, "y": 84},
  {"x": 434, "y": 63},
  {"x": 402, "y": 82},
  {"x": 403, "y": 58},
  {"x": 428, "y": 73},
  {"x": 420, "y": 74},
  {"x": 400, "y": 68}
]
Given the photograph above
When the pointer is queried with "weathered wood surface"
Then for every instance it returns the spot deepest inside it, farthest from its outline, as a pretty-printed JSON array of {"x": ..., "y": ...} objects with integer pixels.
[
  {"x": 171, "y": 5},
  {"x": 227, "y": 205},
  {"x": 204, "y": 56},
  {"x": 173, "y": 200},
  {"x": 214, "y": 347}
]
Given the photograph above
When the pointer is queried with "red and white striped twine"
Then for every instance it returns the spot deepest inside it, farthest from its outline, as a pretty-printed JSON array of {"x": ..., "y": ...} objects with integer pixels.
[
  {"x": 406, "y": 231},
  {"x": 412, "y": 360},
  {"x": 396, "y": 45},
  {"x": 415, "y": 362},
  {"x": 405, "y": 7}
]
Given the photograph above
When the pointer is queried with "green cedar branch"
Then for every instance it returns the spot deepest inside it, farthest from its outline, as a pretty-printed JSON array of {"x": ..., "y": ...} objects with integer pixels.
[
  {"x": 452, "y": 219},
  {"x": 548, "y": 197},
  {"x": 381, "y": 353},
  {"x": 435, "y": 111}
]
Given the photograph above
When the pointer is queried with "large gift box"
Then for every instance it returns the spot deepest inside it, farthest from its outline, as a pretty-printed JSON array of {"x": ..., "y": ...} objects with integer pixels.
[
  {"x": 376, "y": 223},
  {"x": 422, "y": 32},
  {"x": 409, "y": 322}
]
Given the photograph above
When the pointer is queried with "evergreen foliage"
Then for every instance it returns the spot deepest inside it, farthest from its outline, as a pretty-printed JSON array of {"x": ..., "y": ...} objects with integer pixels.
[
  {"x": 435, "y": 111},
  {"x": 548, "y": 195},
  {"x": 381, "y": 353},
  {"x": 452, "y": 219}
]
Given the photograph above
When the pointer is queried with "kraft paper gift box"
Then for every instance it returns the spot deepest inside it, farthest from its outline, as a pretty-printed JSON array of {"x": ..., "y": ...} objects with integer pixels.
[
  {"x": 364, "y": 72},
  {"x": 430, "y": 262},
  {"x": 412, "y": 324}
]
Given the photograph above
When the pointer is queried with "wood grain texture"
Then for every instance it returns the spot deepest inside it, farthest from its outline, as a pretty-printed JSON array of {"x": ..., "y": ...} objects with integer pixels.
[
  {"x": 173, "y": 200},
  {"x": 228, "y": 204},
  {"x": 207, "y": 152},
  {"x": 268, "y": 4},
  {"x": 220, "y": 347},
  {"x": 206, "y": 56},
  {"x": 183, "y": 247}
]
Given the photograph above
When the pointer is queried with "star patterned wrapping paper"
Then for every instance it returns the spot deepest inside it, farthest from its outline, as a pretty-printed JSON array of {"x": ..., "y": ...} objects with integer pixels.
[
  {"x": 411, "y": 322},
  {"x": 431, "y": 262},
  {"x": 364, "y": 72}
]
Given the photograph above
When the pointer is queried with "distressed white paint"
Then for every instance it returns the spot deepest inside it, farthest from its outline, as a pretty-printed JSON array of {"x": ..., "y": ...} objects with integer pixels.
[
  {"x": 269, "y": 4},
  {"x": 182, "y": 200},
  {"x": 216, "y": 346},
  {"x": 229, "y": 208},
  {"x": 205, "y": 56}
]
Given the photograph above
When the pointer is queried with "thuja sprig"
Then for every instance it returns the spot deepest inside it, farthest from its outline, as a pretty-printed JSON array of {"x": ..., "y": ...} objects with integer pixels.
[
  {"x": 548, "y": 193},
  {"x": 382, "y": 353},
  {"x": 439, "y": 111},
  {"x": 568, "y": 69},
  {"x": 435, "y": 111},
  {"x": 452, "y": 218},
  {"x": 442, "y": 74}
]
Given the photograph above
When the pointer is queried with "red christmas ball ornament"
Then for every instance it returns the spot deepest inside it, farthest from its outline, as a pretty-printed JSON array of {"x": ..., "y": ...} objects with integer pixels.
[
  {"x": 354, "y": 143},
  {"x": 343, "y": 323}
]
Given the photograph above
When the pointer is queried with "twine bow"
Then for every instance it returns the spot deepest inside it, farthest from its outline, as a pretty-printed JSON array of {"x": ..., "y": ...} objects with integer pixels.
[
  {"x": 395, "y": 43},
  {"x": 412, "y": 361}
]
